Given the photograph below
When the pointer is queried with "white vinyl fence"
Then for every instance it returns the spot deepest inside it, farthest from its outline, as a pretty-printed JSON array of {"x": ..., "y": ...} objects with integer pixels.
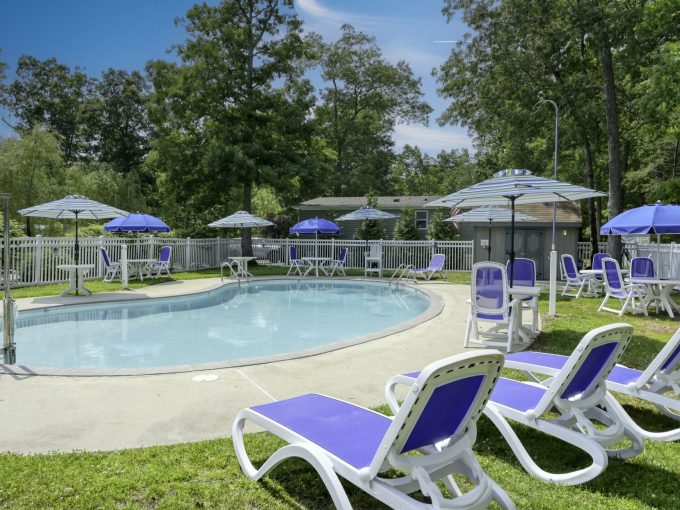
[
  {"x": 666, "y": 257},
  {"x": 35, "y": 259}
]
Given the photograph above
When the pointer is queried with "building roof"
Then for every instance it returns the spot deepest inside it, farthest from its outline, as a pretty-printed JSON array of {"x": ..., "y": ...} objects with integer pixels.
[{"x": 567, "y": 212}]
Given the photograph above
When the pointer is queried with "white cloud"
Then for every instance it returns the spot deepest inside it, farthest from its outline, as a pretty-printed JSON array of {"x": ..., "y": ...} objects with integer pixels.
[
  {"x": 333, "y": 17},
  {"x": 431, "y": 139}
]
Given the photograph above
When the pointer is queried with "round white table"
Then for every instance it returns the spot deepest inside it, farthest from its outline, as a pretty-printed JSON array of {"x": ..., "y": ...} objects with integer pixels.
[
  {"x": 136, "y": 267},
  {"x": 518, "y": 292},
  {"x": 658, "y": 288},
  {"x": 316, "y": 263},
  {"x": 242, "y": 266},
  {"x": 76, "y": 274}
]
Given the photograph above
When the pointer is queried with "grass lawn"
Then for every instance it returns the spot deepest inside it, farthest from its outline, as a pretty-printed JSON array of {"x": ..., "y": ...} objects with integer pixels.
[{"x": 207, "y": 475}]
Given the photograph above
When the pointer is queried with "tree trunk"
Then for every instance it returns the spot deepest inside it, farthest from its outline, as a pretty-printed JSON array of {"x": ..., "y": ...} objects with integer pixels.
[
  {"x": 246, "y": 233},
  {"x": 614, "y": 151},
  {"x": 590, "y": 182}
]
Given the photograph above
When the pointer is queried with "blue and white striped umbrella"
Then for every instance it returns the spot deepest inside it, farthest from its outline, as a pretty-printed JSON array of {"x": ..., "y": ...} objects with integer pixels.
[
  {"x": 490, "y": 214},
  {"x": 515, "y": 186},
  {"x": 366, "y": 213},
  {"x": 75, "y": 207},
  {"x": 241, "y": 219}
]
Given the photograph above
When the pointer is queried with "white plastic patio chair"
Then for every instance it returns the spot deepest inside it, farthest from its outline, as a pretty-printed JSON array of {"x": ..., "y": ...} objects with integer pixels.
[
  {"x": 588, "y": 417},
  {"x": 341, "y": 439},
  {"x": 112, "y": 269},
  {"x": 297, "y": 265},
  {"x": 658, "y": 384},
  {"x": 525, "y": 276},
  {"x": 337, "y": 265},
  {"x": 631, "y": 296},
  {"x": 163, "y": 263},
  {"x": 570, "y": 272},
  {"x": 489, "y": 302}
]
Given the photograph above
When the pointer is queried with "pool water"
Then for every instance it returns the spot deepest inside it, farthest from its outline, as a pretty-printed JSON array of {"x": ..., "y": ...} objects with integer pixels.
[{"x": 260, "y": 319}]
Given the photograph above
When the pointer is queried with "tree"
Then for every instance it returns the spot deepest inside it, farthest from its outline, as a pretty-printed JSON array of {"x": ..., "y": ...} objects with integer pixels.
[
  {"x": 31, "y": 169},
  {"x": 371, "y": 229},
  {"x": 48, "y": 93},
  {"x": 115, "y": 120},
  {"x": 365, "y": 98},
  {"x": 219, "y": 117},
  {"x": 440, "y": 230},
  {"x": 405, "y": 228}
]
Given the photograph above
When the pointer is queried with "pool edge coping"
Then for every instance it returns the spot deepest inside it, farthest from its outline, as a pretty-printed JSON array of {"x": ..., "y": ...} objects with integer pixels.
[{"x": 435, "y": 307}]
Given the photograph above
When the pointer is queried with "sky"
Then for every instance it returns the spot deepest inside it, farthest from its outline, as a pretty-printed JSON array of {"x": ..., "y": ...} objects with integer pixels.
[{"x": 124, "y": 34}]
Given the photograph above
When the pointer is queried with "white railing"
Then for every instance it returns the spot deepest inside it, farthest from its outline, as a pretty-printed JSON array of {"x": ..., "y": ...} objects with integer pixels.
[
  {"x": 35, "y": 259},
  {"x": 666, "y": 256}
]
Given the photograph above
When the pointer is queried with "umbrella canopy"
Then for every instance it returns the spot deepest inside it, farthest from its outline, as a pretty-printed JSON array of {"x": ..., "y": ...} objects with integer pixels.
[
  {"x": 516, "y": 186},
  {"x": 490, "y": 214},
  {"x": 315, "y": 226},
  {"x": 241, "y": 219},
  {"x": 366, "y": 213},
  {"x": 75, "y": 207},
  {"x": 648, "y": 219},
  {"x": 137, "y": 222}
]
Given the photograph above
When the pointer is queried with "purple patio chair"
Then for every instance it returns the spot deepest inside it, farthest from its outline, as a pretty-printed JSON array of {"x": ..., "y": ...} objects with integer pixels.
[
  {"x": 572, "y": 276},
  {"x": 525, "y": 276},
  {"x": 297, "y": 265},
  {"x": 588, "y": 417},
  {"x": 658, "y": 384},
  {"x": 112, "y": 268},
  {"x": 643, "y": 267},
  {"x": 489, "y": 303},
  {"x": 339, "y": 264},
  {"x": 436, "y": 266},
  {"x": 597, "y": 265},
  {"x": 341, "y": 439},
  {"x": 631, "y": 296},
  {"x": 163, "y": 263}
]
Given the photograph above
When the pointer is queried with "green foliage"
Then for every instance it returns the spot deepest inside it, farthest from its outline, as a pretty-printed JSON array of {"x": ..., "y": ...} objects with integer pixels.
[
  {"x": 365, "y": 97},
  {"x": 405, "y": 228},
  {"x": 440, "y": 230}
]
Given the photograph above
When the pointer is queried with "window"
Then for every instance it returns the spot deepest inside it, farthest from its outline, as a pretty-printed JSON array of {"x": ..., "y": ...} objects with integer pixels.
[{"x": 421, "y": 219}]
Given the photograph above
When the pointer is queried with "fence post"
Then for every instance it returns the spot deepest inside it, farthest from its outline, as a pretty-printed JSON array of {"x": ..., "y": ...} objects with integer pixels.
[
  {"x": 123, "y": 266},
  {"x": 100, "y": 265},
  {"x": 37, "y": 261},
  {"x": 217, "y": 252},
  {"x": 151, "y": 242},
  {"x": 187, "y": 253}
]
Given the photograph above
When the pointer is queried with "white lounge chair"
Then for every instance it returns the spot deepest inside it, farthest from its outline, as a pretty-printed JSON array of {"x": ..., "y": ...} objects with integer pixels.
[
  {"x": 658, "y": 384},
  {"x": 577, "y": 394},
  {"x": 436, "y": 266},
  {"x": 341, "y": 439},
  {"x": 112, "y": 269},
  {"x": 631, "y": 296}
]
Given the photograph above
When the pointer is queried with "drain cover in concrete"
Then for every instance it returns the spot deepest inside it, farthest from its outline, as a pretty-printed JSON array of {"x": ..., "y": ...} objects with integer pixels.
[{"x": 205, "y": 378}]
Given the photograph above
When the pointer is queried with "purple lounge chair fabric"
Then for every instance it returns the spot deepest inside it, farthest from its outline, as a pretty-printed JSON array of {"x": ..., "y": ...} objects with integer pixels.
[{"x": 342, "y": 439}]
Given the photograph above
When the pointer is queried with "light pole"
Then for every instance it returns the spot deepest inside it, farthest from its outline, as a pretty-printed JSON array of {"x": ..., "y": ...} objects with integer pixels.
[
  {"x": 552, "y": 303},
  {"x": 8, "y": 346}
]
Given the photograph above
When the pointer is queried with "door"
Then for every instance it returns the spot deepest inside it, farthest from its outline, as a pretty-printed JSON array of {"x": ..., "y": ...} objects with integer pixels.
[{"x": 528, "y": 245}]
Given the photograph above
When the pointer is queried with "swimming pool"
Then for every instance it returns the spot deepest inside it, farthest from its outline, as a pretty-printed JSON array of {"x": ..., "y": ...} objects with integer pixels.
[{"x": 263, "y": 320}]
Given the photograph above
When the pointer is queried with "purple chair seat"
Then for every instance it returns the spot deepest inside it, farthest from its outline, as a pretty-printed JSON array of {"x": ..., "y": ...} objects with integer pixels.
[
  {"x": 516, "y": 394},
  {"x": 345, "y": 430},
  {"x": 619, "y": 374}
]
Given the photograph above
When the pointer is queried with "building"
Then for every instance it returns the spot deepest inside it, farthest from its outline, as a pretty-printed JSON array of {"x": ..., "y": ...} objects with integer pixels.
[{"x": 532, "y": 239}]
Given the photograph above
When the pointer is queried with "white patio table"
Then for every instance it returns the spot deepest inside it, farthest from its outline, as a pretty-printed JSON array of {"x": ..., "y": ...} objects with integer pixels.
[
  {"x": 136, "y": 267},
  {"x": 73, "y": 270},
  {"x": 659, "y": 288},
  {"x": 316, "y": 263},
  {"x": 518, "y": 292},
  {"x": 242, "y": 266}
]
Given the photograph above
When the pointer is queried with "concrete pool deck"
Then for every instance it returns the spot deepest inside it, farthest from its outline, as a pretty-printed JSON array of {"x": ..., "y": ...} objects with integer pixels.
[{"x": 56, "y": 414}]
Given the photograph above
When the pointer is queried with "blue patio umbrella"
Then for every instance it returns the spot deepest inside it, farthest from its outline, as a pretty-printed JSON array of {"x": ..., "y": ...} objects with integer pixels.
[
  {"x": 137, "y": 222},
  {"x": 315, "y": 226},
  {"x": 648, "y": 219}
]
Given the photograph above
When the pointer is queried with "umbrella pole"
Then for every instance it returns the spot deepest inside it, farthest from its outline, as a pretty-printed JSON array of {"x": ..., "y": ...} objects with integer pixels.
[
  {"x": 76, "y": 251},
  {"x": 512, "y": 239},
  {"x": 658, "y": 254},
  {"x": 488, "y": 246},
  {"x": 8, "y": 345}
]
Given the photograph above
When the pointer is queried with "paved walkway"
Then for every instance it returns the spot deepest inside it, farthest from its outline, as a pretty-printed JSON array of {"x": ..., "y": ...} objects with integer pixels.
[{"x": 45, "y": 414}]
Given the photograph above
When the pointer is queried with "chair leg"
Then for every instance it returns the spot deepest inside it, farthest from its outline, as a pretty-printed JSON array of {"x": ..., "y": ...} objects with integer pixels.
[{"x": 468, "y": 330}]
